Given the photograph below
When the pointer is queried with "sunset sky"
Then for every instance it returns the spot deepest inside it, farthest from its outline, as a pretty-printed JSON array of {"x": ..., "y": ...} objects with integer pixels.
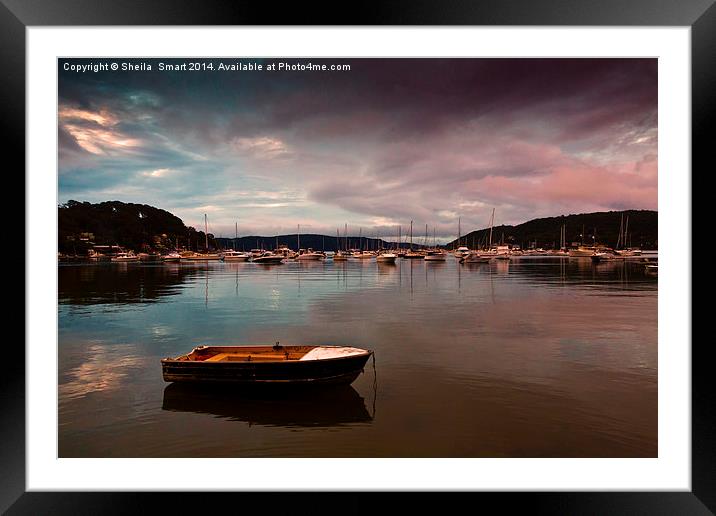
[{"x": 391, "y": 140}]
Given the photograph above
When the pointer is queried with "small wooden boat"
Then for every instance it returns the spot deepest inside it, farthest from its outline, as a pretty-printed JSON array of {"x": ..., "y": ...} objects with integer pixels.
[{"x": 263, "y": 365}]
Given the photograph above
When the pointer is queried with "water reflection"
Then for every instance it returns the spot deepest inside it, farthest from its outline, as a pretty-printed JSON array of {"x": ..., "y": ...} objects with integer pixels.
[
  {"x": 275, "y": 407},
  {"x": 121, "y": 282},
  {"x": 527, "y": 357}
]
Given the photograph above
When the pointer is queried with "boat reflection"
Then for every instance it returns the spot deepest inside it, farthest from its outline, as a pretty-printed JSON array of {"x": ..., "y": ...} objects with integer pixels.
[
  {"x": 308, "y": 407},
  {"x": 123, "y": 282}
]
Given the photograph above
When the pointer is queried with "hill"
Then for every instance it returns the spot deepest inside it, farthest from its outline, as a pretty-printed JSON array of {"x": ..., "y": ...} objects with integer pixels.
[
  {"x": 599, "y": 227},
  {"x": 132, "y": 226},
  {"x": 142, "y": 227}
]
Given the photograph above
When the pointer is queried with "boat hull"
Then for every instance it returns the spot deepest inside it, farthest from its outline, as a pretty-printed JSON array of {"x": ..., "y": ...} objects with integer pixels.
[
  {"x": 576, "y": 253},
  {"x": 343, "y": 370},
  {"x": 268, "y": 259}
]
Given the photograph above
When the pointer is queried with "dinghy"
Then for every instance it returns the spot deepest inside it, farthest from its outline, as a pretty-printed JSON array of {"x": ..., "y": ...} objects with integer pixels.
[{"x": 260, "y": 365}]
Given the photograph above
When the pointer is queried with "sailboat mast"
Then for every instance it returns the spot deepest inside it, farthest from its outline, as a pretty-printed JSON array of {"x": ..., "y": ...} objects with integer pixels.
[
  {"x": 459, "y": 231},
  {"x": 626, "y": 231},
  {"x": 411, "y": 235},
  {"x": 206, "y": 234},
  {"x": 492, "y": 221},
  {"x": 298, "y": 236},
  {"x": 236, "y": 234}
]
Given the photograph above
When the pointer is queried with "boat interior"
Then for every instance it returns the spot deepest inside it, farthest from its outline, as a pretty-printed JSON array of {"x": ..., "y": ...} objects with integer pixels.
[
  {"x": 275, "y": 353},
  {"x": 245, "y": 353}
]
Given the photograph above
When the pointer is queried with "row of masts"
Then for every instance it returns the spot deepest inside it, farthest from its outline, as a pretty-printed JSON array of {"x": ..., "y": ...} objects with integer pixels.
[{"x": 621, "y": 241}]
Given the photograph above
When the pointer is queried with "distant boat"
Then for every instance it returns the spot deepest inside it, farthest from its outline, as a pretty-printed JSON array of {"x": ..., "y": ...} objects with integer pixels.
[
  {"x": 128, "y": 256},
  {"x": 475, "y": 257},
  {"x": 412, "y": 255},
  {"x": 363, "y": 255},
  {"x": 206, "y": 255},
  {"x": 94, "y": 255},
  {"x": 307, "y": 254},
  {"x": 386, "y": 258},
  {"x": 604, "y": 255},
  {"x": 149, "y": 257},
  {"x": 435, "y": 256},
  {"x": 582, "y": 251},
  {"x": 310, "y": 254},
  {"x": 235, "y": 256},
  {"x": 267, "y": 258},
  {"x": 461, "y": 251},
  {"x": 171, "y": 257},
  {"x": 201, "y": 257},
  {"x": 285, "y": 251},
  {"x": 267, "y": 365},
  {"x": 340, "y": 256}
]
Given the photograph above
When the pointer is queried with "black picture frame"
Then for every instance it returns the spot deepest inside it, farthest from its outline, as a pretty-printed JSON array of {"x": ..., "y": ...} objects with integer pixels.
[{"x": 700, "y": 15}]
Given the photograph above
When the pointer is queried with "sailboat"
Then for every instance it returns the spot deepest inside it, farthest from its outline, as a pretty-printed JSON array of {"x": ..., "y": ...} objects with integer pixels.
[
  {"x": 626, "y": 252},
  {"x": 412, "y": 255},
  {"x": 206, "y": 255},
  {"x": 234, "y": 255},
  {"x": 339, "y": 255},
  {"x": 435, "y": 254},
  {"x": 461, "y": 249},
  {"x": 481, "y": 257}
]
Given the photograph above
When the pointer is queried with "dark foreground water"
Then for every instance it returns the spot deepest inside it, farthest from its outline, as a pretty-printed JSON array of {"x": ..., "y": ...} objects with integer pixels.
[{"x": 536, "y": 357}]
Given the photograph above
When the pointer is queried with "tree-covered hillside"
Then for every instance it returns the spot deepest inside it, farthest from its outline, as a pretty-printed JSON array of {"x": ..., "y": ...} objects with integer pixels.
[
  {"x": 132, "y": 226},
  {"x": 599, "y": 227}
]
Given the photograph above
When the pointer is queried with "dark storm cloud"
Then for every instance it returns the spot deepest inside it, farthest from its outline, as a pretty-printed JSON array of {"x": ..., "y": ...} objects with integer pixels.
[{"x": 388, "y": 140}]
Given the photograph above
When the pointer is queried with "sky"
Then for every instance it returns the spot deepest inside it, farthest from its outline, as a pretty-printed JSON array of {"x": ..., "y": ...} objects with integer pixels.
[{"x": 374, "y": 147}]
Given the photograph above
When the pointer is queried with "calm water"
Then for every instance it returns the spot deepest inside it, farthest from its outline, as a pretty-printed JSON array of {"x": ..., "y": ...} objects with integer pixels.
[{"x": 535, "y": 357}]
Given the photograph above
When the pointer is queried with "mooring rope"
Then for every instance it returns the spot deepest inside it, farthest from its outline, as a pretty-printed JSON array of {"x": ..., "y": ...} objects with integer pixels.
[{"x": 375, "y": 384}]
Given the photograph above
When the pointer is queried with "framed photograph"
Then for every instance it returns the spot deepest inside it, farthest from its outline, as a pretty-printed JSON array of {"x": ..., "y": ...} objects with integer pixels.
[{"x": 417, "y": 253}]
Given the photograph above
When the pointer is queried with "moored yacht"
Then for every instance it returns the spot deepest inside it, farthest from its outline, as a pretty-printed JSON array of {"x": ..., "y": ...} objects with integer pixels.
[
  {"x": 583, "y": 251},
  {"x": 310, "y": 254},
  {"x": 128, "y": 256},
  {"x": 285, "y": 251},
  {"x": 461, "y": 251},
  {"x": 235, "y": 256},
  {"x": 434, "y": 255},
  {"x": 475, "y": 257},
  {"x": 267, "y": 258},
  {"x": 172, "y": 257},
  {"x": 200, "y": 257},
  {"x": 386, "y": 257},
  {"x": 363, "y": 255}
]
